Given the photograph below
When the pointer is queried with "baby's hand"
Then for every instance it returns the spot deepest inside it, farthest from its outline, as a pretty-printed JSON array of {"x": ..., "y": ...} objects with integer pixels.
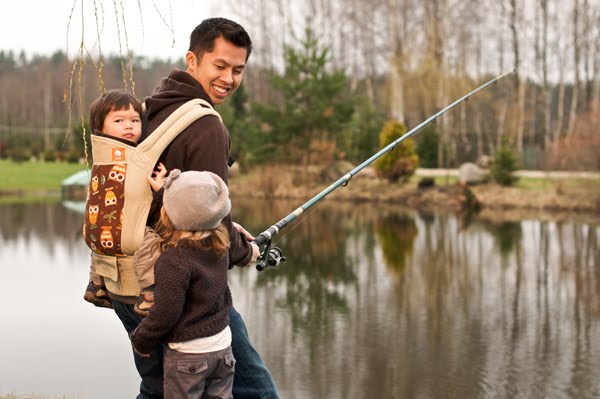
[{"x": 157, "y": 180}]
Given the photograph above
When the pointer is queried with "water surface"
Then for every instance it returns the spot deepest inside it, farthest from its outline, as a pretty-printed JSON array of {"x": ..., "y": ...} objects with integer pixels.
[{"x": 372, "y": 303}]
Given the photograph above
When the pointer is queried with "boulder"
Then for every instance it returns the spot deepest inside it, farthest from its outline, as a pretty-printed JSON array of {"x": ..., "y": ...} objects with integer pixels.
[
  {"x": 484, "y": 161},
  {"x": 471, "y": 174}
]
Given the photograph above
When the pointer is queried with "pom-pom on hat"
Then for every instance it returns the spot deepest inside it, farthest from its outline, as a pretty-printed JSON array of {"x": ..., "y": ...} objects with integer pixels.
[{"x": 195, "y": 201}]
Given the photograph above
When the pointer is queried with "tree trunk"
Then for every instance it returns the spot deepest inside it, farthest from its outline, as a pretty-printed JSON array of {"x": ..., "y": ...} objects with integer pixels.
[
  {"x": 587, "y": 56},
  {"x": 397, "y": 58},
  {"x": 435, "y": 55},
  {"x": 576, "y": 61},
  {"x": 546, "y": 110},
  {"x": 519, "y": 89}
]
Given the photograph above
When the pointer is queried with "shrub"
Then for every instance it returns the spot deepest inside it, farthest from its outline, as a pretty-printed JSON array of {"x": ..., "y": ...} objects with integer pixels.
[
  {"x": 579, "y": 150},
  {"x": 505, "y": 162},
  {"x": 20, "y": 154},
  {"x": 73, "y": 156},
  {"x": 400, "y": 163},
  {"x": 50, "y": 155},
  {"x": 427, "y": 146}
]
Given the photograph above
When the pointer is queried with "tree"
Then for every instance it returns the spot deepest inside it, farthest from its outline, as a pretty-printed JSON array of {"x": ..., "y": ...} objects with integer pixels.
[
  {"x": 312, "y": 102},
  {"x": 400, "y": 163},
  {"x": 427, "y": 147},
  {"x": 520, "y": 88},
  {"x": 505, "y": 162},
  {"x": 580, "y": 150}
]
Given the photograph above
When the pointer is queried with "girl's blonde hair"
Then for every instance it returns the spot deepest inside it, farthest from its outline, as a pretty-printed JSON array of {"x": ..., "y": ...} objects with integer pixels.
[{"x": 216, "y": 240}]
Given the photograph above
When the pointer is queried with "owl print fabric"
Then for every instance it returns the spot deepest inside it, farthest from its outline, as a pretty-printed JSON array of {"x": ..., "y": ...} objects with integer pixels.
[{"x": 104, "y": 209}]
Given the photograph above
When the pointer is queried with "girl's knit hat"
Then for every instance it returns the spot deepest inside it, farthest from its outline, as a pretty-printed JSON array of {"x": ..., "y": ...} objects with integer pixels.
[{"x": 195, "y": 201}]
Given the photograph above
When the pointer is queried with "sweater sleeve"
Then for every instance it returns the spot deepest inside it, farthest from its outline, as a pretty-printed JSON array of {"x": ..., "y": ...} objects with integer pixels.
[
  {"x": 208, "y": 149},
  {"x": 172, "y": 279}
]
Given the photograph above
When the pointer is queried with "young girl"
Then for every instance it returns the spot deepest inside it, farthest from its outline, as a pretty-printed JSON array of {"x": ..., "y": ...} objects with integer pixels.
[{"x": 191, "y": 308}]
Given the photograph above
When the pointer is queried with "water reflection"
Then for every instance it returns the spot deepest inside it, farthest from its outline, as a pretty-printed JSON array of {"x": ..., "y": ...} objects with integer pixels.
[
  {"x": 372, "y": 302},
  {"x": 396, "y": 234}
]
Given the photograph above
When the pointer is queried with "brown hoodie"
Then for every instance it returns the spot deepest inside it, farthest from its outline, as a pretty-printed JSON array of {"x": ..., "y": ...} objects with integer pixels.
[{"x": 204, "y": 145}]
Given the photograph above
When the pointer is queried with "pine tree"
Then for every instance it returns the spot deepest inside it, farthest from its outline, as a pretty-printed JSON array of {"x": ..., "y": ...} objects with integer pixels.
[
  {"x": 314, "y": 104},
  {"x": 505, "y": 162}
]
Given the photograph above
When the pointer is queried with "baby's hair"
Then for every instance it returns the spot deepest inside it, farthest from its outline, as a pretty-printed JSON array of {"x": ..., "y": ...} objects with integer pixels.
[
  {"x": 216, "y": 240},
  {"x": 111, "y": 100}
]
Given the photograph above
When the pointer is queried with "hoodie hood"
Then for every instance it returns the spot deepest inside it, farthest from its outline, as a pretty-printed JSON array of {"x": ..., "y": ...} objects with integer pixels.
[{"x": 174, "y": 90}]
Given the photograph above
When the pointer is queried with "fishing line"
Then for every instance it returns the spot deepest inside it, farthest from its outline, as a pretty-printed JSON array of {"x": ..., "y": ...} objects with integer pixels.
[
  {"x": 273, "y": 257},
  {"x": 299, "y": 222}
]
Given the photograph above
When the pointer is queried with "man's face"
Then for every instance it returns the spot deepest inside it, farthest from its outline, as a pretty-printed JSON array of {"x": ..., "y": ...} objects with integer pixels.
[{"x": 219, "y": 72}]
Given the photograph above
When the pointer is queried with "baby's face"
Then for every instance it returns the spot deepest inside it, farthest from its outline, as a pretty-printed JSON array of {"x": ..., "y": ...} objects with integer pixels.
[{"x": 125, "y": 123}]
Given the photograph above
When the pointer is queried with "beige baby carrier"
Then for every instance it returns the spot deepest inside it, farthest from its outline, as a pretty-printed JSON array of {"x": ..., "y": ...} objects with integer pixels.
[{"x": 119, "y": 196}]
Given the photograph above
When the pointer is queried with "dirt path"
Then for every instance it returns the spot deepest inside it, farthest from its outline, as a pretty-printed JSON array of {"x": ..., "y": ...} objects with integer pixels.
[{"x": 535, "y": 174}]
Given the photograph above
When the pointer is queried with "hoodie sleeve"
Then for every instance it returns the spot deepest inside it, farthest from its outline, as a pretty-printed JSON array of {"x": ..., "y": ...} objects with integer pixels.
[
  {"x": 204, "y": 145},
  {"x": 207, "y": 146}
]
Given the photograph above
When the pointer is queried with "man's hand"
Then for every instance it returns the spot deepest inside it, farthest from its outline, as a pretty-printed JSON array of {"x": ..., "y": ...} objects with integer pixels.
[
  {"x": 242, "y": 230},
  {"x": 255, "y": 253},
  {"x": 249, "y": 237}
]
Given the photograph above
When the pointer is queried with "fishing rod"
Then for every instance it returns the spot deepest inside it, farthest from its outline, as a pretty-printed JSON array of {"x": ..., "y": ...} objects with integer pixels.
[{"x": 272, "y": 257}]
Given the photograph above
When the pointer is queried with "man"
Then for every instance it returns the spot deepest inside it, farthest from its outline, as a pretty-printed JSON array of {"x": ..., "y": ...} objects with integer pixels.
[{"x": 215, "y": 62}]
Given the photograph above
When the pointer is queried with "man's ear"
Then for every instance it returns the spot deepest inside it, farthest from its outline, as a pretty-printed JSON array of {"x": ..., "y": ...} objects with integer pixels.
[{"x": 190, "y": 60}]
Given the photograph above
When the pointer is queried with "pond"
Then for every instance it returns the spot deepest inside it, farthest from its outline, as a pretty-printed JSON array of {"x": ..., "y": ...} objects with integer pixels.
[{"x": 373, "y": 302}]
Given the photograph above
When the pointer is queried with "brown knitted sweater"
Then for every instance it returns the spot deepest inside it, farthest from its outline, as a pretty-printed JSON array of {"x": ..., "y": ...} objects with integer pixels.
[{"x": 192, "y": 299}]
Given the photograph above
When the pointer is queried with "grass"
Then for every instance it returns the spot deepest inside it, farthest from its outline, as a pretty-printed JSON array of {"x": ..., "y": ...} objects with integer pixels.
[
  {"x": 27, "y": 396},
  {"x": 34, "y": 178},
  {"x": 529, "y": 194},
  {"x": 529, "y": 183},
  {"x": 31, "y": 182}
]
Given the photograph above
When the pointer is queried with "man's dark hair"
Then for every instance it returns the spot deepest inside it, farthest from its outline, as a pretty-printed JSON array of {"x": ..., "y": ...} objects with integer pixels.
[
  {"x": 111, "y": 100},
  {"x": 202, "y": 39}
]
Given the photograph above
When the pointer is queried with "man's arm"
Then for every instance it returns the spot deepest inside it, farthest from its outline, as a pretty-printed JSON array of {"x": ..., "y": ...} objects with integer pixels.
[{"x": 206, "y": 145}]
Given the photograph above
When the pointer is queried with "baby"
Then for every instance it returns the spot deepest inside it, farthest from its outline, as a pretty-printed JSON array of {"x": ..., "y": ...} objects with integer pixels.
[{"x": 117, "y": 114}]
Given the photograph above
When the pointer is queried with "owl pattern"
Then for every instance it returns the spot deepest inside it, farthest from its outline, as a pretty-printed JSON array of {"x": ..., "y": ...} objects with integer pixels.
[{"x": 104, "y": 209}]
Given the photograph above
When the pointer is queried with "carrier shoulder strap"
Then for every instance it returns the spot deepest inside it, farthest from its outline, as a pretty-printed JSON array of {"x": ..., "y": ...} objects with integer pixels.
[{"x": 154, "y": 145}]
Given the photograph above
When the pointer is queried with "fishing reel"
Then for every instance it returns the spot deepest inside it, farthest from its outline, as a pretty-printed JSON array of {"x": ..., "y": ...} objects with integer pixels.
[{"x": 270, "y": 257}]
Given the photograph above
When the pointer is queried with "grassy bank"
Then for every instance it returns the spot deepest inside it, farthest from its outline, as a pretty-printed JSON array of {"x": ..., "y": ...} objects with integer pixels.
[
  {"x": 33, "y": 179},
  {"x": 32, "y": 396},
  {"x": 528, "y": 194}
]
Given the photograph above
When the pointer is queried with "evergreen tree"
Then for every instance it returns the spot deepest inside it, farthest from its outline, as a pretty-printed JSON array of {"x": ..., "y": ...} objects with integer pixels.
[
  {"x": 505, "y": 162},
  {"x": 427, "y": 146},
  {"x": 400, "y": 163},
  {"x": 235, "y": 116},
  {"x": 314, "y": 106}
]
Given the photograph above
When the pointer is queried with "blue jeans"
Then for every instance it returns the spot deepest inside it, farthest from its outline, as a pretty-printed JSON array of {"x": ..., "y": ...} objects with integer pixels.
[
  {"x": 252, "y": 379},
  {"x": 149, "y": 368}
]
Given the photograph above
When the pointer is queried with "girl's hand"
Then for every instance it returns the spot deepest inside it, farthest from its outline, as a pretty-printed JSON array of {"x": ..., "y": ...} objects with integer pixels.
[{"x": 157, "y": 180}]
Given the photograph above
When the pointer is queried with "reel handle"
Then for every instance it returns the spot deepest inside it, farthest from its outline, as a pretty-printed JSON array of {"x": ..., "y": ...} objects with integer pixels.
[{"x": 271, "y": 257}]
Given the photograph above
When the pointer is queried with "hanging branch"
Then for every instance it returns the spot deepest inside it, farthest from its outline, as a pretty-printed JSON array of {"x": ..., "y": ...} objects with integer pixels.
[
  {"x": 141, "y": 19},
  {"x": 98, "y": 32},
  {"x": 120, "y": 47},
  {"x": 129, "y": 58},
  {"x": 74, "y": 74},
  {"x": 168, "y": 25}
]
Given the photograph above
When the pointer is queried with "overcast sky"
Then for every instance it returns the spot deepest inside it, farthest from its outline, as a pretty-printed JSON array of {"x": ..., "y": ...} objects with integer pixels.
[{"x": 40, "y": 26}]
